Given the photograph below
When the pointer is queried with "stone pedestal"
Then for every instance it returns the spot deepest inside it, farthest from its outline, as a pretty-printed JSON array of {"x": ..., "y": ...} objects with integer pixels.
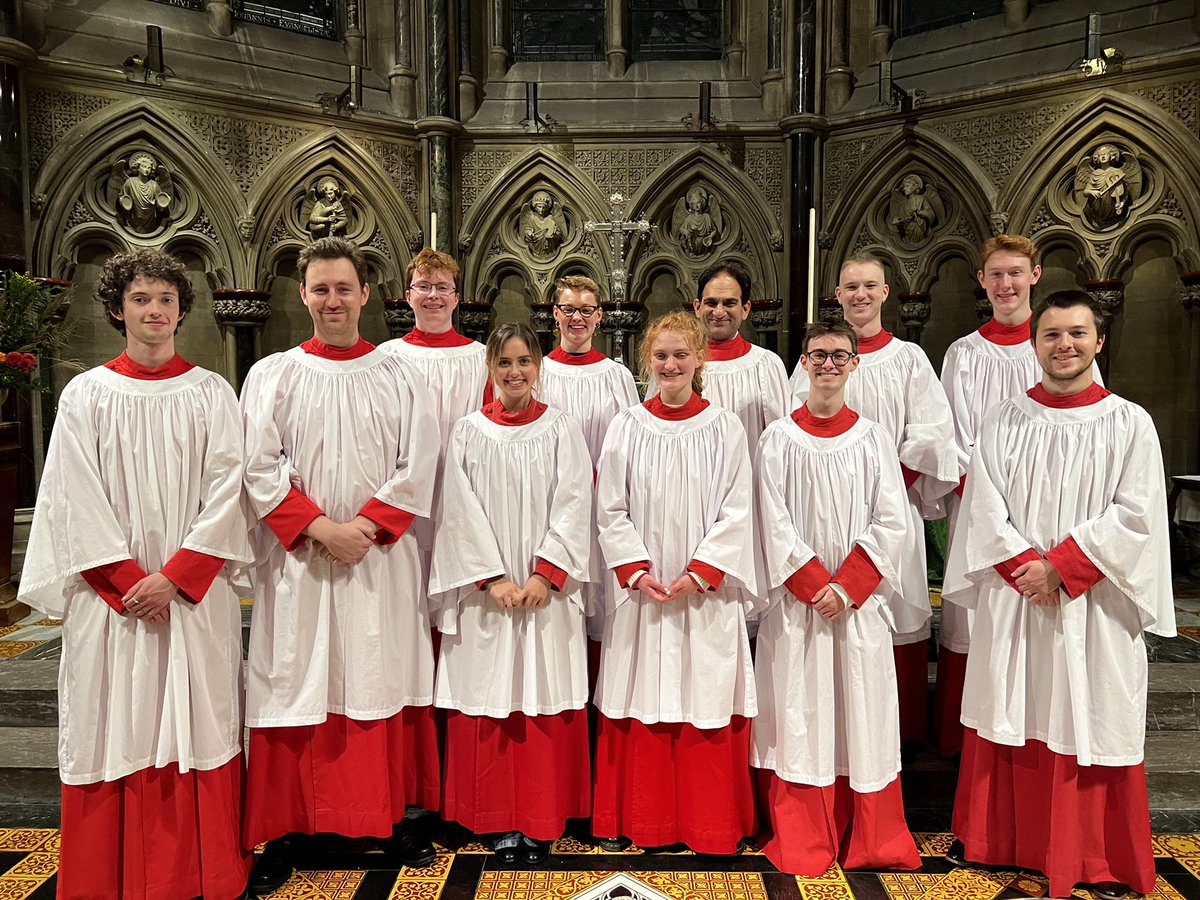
[
  {"x": 474, "y": 319},
  {"x": 766, "y": 316},
  {"x": 1110, "y": 294},
  {"x": 241, "y": 313},
  {"x": 543, "y": 324},
  {"x": 829, "y": 310},
  {"x": 914, "y": 313},
  {"x": 1189, "y": 294},
  {"x": 399, "y": 316},
  {"x": 621, "y": 322}
]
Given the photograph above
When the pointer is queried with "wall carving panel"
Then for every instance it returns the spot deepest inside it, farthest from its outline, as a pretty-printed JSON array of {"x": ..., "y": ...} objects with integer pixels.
[
  {"x": 478, "y": 167},
  {"x": 400, "y": 161},
  {"x": 765, "y": 165},
  {"x": 52, "y": 113},
  {"x": 621, "y": 169},
  {"x": 245, "y": 147},
  {"x": 842, "y": 161},
  {"x": 1180, "y": 98}
]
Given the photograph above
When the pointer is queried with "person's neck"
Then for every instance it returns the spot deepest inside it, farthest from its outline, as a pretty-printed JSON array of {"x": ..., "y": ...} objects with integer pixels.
[
  {"x": 150, "y": 356},
  {"x": 1018, "y": 316},
  {"x": 678, "y": 397},
  {"x": 825, "y": 404},
  {"x": 515, "y": 404},
  {"x": 1060, "y": 388},
  {"x": 870, "y": 329},
  {"x": 337, "y": 341},
  {"x": 568, "y": 346}
]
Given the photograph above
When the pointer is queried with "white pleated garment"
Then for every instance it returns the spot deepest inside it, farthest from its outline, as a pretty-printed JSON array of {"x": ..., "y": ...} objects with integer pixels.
[
  {"x": 352, "y": 640},
  {"x": 139, "y": 469},
  {"x": 827, "y": 688},
  {"x": 1073, "y": 676},
  {"x": 896, "y": 387},
  {"x": 670, "y": 492},
  {"x": 512, "y": 495}
]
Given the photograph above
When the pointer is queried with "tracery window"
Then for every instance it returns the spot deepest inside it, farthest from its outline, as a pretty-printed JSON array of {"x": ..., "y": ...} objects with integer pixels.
[
  {"x": 558, "y": 29},
  {"x": 916, "y": 16},
  {"x": 676, "y": 29}
]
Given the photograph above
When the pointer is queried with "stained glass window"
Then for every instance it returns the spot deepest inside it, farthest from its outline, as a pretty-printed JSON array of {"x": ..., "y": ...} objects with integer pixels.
[
  {"x": 558, "y": 29},
  {"x": 676, "y": 29},
  {"x": 925, "y": 15}
]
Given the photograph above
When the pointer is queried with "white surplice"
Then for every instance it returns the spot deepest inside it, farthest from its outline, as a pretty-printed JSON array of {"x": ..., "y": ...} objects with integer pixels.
[
  {"x": 139, "y": 469},
  {"x": 1072, "y": 676},
  {"x": 512, "y": 494},
  {"x": 454, "y": 378},
  {"x": 896, "y": 387},
  {"x": 670, "y": 492},
  {"x": 352, "y": 640},
  {"x": 827, "y": 688}
]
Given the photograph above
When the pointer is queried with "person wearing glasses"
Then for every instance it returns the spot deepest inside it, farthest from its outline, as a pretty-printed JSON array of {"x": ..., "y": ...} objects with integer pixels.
[
  {"x": 510, "y": 557},
  {"x": 826, "y": 740},
  {"x": 895, "y": 385}
]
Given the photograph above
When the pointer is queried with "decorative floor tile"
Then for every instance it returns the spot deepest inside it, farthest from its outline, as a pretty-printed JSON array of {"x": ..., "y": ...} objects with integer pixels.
[
  {"x": 27, "y": 839},
  {"x": 908, "y": 885},
  {"x": 1192, "y": 632},
  {"x": 9, "y": 649}
]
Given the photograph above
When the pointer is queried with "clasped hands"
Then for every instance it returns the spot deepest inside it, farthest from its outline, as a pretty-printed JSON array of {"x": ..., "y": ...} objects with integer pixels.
[
  {"x": 508, "y": 596},
  {"x": 661, "y": 593},
  {"x": 1038, "y": 582},
  {"x": 150, "y": 598},
  {"x": 345, "y": 543}
]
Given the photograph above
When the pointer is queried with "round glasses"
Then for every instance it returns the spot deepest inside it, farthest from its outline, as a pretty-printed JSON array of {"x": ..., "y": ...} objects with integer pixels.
[{"x": 838, "y": 357}]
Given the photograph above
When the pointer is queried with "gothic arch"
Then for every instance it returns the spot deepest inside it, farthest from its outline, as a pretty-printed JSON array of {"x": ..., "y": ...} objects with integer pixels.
[{"x": 72, "y": 216}]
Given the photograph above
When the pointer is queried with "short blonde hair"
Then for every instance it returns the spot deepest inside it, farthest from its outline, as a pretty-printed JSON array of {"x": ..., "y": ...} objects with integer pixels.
[
  {"x": 1016, "y": 244},
  {"x": 581, "y": 284},
  {"x": 687, "y": 326}
]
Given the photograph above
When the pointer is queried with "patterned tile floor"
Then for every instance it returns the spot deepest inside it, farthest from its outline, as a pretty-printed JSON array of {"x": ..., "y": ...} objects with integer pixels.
[{"x": 579, "y": 871}]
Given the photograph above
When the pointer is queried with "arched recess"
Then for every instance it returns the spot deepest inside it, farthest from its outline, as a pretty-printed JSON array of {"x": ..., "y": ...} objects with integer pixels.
[
  {"x": 851, "y": 220},
  {"x": 753, "y": 231},
  {"x": 486, "y": 243},
  {"x": 70, "y": 180},
  {"x": 388, "y": 245}
]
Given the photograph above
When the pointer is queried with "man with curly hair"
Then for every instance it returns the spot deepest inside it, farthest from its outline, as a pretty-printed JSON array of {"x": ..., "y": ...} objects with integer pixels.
[{"x": 138, "y": 528}]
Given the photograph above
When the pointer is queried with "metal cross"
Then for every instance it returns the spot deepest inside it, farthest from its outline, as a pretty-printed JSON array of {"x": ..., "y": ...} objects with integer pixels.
[{"x": 617, "y": 230}]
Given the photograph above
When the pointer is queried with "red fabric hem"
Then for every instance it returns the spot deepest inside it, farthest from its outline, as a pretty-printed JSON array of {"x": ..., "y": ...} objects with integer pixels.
[
  {"x": 947, "y": 701},
  {"x": 875, "y": 342},
  {"x": 1093, "y": 393},
  {"x": 393, "y": 522},
  {"x": 1005, "y": 335},
  {"x": 723, "y": 351},
  {"x": 807, "y": 580},
  {"x": 289, "y": 519},
  {"x": 962, "y": 486},
  {"x": 710, "y": 574},
  {"x": 1009, "y": 566},
  {"x": 694, "y": 406},
  {"x": 912, "y": 687},
  {"x": 325, "y": 351},
  {"x": 627, "y": 571},
  {"x": 172, "y": 368},
  {"x": 839, "y": 423},
  {"x": 1078, "y": 573},
  {"x": 113, "y": 581},
  {"x": 591, "y": 357},
  {"x": 192, "y": 573},
  {"x": 552, "y": 573},
  {"x": 496, "y": 412},
  {"x": 450, "y": 338},
  {"x": 910, "y": 475},
  {"x": 858, "y": 575}
]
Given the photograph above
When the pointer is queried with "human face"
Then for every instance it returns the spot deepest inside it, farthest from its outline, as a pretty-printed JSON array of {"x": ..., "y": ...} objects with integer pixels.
[
  {"x": 1007, "y": 278},
  {"x": 828, "y": 372},
  {"x": 145, "y": 167},
  {"x": 861, "y": 291},
  {"x": 432, "y": 296},
  {"x": 721, "y": 308},
  {"x": 150, "y": 311},
  {"x": 541, "y": 203},
  {"x": 335, "y": 300},
  {"x": 1066, "y": 344},
  {"x": 329, "y": 190},
  {"x": 576, "y": 331},
  {"x": 514, "y": 374},
  {"x": 673, "y": 362}
]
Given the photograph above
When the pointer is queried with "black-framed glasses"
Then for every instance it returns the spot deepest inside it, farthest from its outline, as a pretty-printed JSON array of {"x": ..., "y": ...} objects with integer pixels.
[
  {"x": 568, "y": 310},
  {"x": 839, "y": 357},
  {"x": 424, "y": 289}
]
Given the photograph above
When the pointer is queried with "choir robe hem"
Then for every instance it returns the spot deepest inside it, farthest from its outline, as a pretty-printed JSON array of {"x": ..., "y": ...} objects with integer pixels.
[
  {"x": 912, "y": 686},
  {"x": 704, "y": 725},
  {"x": 1034, "y": 735},
  {"x": 812, "y": 826},
  {"x": 566, "y": 706},
  {"x": 345, "y": 776},
  {"x": 191, "y": 820},
  {"x": 358, "y": 715},
  {"x": 768, "y": 766},
  {"x": 197, "y": 765},
  {"x": 1031, "y": 807}
]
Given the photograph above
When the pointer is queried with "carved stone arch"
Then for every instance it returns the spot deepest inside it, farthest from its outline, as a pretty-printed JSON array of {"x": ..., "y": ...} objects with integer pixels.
[
  {"x": 753, "y": 233},
  {"x": 950, "y": 248},
  {"x": 1063, "y": 236},
  {"x": 69, "y": 177},
  {"x": 1119, "y": 259},
  {"x": 648, "y": 271},
  {"x": 919, "y": 149},
  {"x": 576, "y": 264},
  {"x": 388, "y": 231},
  {"x": 207, "y": 249},
  {"x": 62, "y": 264}
]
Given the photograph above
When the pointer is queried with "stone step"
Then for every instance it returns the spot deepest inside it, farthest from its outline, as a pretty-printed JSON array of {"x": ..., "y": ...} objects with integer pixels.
[
  {"x": 30, "y": 792},
  {"x": 28, "y": 692}
]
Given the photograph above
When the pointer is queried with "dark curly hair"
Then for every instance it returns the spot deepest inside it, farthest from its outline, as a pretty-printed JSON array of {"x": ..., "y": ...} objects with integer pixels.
[{"x": 120, "y": 270}]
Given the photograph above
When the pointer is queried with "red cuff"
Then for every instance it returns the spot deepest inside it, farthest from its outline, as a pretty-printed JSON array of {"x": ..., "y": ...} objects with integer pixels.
[
  {"x": 482, "y": 585},
  {"x": 112, "y": 581},
  {"x": 1078, "y": 573},
  {"x": 289, "y": 519},
  {"x": 392, "y": 520},
  {"x": 552, "y": 573},
  {"x": 858, "y": 575},
  {"x": 192, "y": 572},
  {"x": 962, "y": 486},
  {"x": 625, "y": 572},
  {"x": 710, "y": 574},
  {"x": 910, "y": 477},
  {"x": 807, "y": 580},
  {"x": 1009, "y": 566}
]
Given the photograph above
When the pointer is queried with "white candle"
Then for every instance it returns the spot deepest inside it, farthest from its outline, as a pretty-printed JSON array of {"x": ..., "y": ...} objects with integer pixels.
[
  {"x": 812, "y": 264},
  {"x": 433, "y": 231}
]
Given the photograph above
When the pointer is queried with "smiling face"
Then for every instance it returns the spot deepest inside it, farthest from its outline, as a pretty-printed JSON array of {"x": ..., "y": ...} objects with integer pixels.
[
  {"x": 514, "y": 373},
  {"x": 721, "y": 309},
  {"x": 335, "y": 299},
  {"x": 1008, "y": 279},
  {"x": 150, "y": 311},
  {"x": 575, "y": 330},
  {"x": 862, "y": 291},
  {"x": 432, "y": 296},
  {"x": 673, "y": 363},
  {"x": 827, "y": 377},
  {"x": 1066, "y": 344}
]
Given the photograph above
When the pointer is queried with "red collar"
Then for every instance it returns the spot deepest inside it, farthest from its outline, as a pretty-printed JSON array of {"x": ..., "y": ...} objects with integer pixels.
[
  {"x": 721, "y": 351},
  {"x": 1005, "y": 335},
  {"x": 496, "y": 412},
  {"x": 695, "y": 405},
  {"x": 878, "y": 342},
  {"x": 1093, "y": 393},
  {"x": 449, "y": 338},
  {"x": 174, "y": 366},
  {"x": 839, "y": 423},
  {"x": 317, "y": 348},
  {"x": 559, "y": 355}
]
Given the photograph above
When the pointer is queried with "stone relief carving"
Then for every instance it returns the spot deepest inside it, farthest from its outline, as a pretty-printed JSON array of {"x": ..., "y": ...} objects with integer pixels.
[
  {"x": 914, "y": 211},
  {"x": 842, "y": 160},
  {"x": 542, "y": 226},
  {"x": 1107, "y": 183},
  {"x": 999, "y": 142},
  {"x": 244, "y": 147},
  {"x": 697, "y": 223},
  {"x": 329, "y": 216},
  {"x": 1180, "y": 98},
  {"x": 765, "y": 167},
  {"x": 245, "y": 227},
  {"x": 52, "y": 113},
  {"x": 998, "y": 219},
  {"x": 141, "y": 192}
]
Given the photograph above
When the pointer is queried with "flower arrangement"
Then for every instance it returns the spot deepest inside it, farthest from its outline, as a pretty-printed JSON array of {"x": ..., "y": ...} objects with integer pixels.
[{"x": 31, "y": 325}]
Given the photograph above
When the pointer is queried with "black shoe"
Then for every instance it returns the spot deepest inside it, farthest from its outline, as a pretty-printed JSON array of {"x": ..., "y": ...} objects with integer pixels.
[
  {"x": 409, "y": 846},
  {"x": 533, "y": 852},
  {"x": 614, "y": 844},
  {"x": 956, "y": 855},
  {"x": 507, "y": 856},
  {"x": 1110, "y": 890},
  {"x": 273, "y": 867}
]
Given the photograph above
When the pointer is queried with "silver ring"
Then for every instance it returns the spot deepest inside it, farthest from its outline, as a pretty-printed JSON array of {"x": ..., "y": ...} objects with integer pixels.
[{"x": 133, "y": 603}]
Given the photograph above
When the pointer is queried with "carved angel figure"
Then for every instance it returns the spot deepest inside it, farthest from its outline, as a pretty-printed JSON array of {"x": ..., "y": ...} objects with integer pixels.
[
  {"x": 141, "y": 191},
  {"x": 1107, "y": 183},
  {"x": 696, "y": 223},
  {"x": 542, "y": 226},
  {"x": 916, "y": 208},
  {"x": 329, "y": 217}
]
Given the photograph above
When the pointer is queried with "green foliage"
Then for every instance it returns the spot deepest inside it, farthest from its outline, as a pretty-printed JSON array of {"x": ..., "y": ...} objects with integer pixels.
[
  {"x": 31, "y": 328},
  {"x": 936, "y": 532}
]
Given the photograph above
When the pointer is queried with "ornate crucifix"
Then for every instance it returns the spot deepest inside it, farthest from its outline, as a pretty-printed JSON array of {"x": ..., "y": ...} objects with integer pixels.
[{"x": 621, "y": 317}]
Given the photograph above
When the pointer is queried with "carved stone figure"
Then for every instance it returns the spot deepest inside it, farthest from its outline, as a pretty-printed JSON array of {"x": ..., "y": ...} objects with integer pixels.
[
  {"x": 1107, "y": 182},
  {"x": 245, "y": 227},
  {"x": 916, "y": 208},
  {"x": 542, "y": 226},
  {"x": 329, "y": 216},
  {"x": 141, "y": 191},
  {"x": 697, "y": 223}
]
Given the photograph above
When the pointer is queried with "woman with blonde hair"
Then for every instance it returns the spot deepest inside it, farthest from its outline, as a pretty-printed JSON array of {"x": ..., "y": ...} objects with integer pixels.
[{"x": 676, "y": 686}]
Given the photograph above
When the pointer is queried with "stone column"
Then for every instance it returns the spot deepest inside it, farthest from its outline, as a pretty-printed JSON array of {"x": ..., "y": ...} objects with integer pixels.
[
  {"x": 802, "y": 125},
  {"x": 541, "y": 320},
  {"x": 828, "y": 311},
  {"x": 1110, "y": 294},
  {"x": 402, "y": 79},
  {"x": 399, "y": 316},
  {"x": 766, "y": 316},
  {"x": 13, "y": 56},
  {"x": 468, "y": 85},
  {"x": 621, "y": 321},
  {"x": 1189, "y": 294},
  {"x": 498, "y": 55},
  {"x": 914, "y": 313},
  {"x": 839, "y": 77},
  {"x": 615, "y": 51},
  {"x": 241, "y": 313},
  {"x": 881, "y": 35},
  {"x": 439, "y": 124},
  {"x": 474, "y": 319},
  {"x": 772, "y": 80},
  {"x": 983, "y": 306}
]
